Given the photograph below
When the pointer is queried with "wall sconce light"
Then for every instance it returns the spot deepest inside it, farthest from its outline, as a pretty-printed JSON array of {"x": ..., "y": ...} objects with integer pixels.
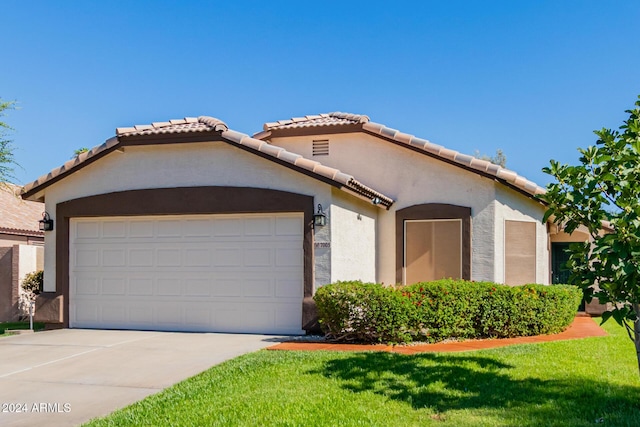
[
  {"x": 319, "y": 218},
  {"x": 46, "y": 223},
  {"x": 376, "y": 200}
]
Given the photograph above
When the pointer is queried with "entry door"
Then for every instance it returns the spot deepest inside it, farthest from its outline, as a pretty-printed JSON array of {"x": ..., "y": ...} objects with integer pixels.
[
  {"x": 433, "y": 250},
  {"x": 559, "y": 271},
  {"x": 559, "y": 257}
]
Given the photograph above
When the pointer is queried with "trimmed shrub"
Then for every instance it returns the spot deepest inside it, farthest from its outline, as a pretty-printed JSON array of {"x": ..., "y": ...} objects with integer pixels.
[
  {"x": 30, "y": 287},
  {"x": 444, "y": 309},
  {"x": 33, "y": 282},
  {"x": 367, "y": 312}
]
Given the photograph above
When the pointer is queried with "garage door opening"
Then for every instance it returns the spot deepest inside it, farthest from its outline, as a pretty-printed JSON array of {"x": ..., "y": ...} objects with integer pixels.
[{"x": 213, "y": 273}]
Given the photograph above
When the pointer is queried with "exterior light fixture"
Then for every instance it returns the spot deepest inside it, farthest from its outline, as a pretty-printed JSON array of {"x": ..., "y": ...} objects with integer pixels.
[
  {"x": 376, "y": 200},
  {"x": 46, "y": 223},
  {"x": 319, "y": 218}
]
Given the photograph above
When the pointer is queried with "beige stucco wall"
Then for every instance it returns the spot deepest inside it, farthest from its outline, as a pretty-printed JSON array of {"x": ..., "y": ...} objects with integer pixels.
[
  {"x": 181, "y": 165},
  {"x": 411, "y": 178},
  {"x": 353, "y": 238},
  {"x": 30, "y": 259},
  {"x": 511, "y": 205},
  {"x": 8, "y": 240}
]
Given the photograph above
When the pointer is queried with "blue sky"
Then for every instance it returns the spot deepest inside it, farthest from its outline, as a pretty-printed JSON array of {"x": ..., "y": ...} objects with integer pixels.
[{"x": 533, "y": 78}]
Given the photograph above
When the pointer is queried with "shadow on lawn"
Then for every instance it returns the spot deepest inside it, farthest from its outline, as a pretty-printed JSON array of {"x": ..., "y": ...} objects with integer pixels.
[{"x": 446, "y": 382}]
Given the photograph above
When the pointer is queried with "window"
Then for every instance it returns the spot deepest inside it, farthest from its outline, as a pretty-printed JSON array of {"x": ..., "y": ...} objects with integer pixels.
[
  {"x": 519, "y": 252},
  {"x": 433, "y": 250}
]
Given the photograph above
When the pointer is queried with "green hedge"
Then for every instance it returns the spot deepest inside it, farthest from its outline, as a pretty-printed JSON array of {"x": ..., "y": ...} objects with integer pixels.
[
  {"x": 365, "y": 312},
  {"x": 434, "y": 311}
]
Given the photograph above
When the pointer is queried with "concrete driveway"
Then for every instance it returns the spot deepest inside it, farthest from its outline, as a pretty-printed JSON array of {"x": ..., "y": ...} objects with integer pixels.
[{"x": 66, "y": 377}]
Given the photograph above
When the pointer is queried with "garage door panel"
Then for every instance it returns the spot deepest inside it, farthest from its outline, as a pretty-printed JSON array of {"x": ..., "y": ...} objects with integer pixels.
[
  {"x": 114, "y": 229},
  {"x": 197, "y": 228},
  {"x": 114, "y": 286},
  {"x": 141, "y": 257},
  {"x": 227, "y": 273},
  {"x": 168, "y": 257},
  {"x": 288, "y": 288},
  {"x": 86, "y": 258},
  {"x": 86, "y": 313},
  {"x": 140, "y": 286},
  {"x": 141, "y": 316},
  {"x": 255, "y": 227},
  {"x": 169, "y": 228},
  {"x": 197, "y": 257},
  {"x": 114, "y": 257},
  {"x": 169, "y": 287},
  {"x": 198, "y": 287},
  {"x": 87, "y": 230},
  {"x": 139, "y": 229},
  {"x": 286, "y": 314},
  {"x": 288, "y": 226}
]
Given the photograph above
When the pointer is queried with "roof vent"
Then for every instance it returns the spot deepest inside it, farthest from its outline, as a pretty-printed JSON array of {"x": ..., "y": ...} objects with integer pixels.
[{"x": 320, "y": 147}]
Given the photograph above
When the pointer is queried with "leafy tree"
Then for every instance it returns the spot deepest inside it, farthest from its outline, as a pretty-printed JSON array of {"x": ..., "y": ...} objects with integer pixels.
[
  {"x": 499, "y": 159},
  {"x": 7, "y": 161},
  {"x": 603, "y": 190}
]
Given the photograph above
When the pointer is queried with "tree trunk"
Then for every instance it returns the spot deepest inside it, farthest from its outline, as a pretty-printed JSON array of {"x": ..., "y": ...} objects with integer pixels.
[{"x": 636, "y": 332}]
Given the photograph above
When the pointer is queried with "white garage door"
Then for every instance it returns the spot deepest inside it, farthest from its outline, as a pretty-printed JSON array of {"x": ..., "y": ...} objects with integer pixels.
[{"x": 221, "y": 273}]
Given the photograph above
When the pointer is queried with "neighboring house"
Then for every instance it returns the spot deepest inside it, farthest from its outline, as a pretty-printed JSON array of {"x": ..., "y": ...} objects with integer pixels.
[
  {"x": 21, "y": 249},
  {"x": 188, "y": 225}
]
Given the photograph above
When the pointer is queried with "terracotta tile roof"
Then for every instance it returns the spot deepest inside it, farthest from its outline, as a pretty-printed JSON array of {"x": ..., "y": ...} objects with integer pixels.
[
  {"x": 344, "y": 119},
  {"x": 192, "y": 125},
  {"x": 330, "y": 119},
  {"x": 346, "y": 181},
  {"x": 17, "y": 216},
  {"x": 186, "y": 125}
]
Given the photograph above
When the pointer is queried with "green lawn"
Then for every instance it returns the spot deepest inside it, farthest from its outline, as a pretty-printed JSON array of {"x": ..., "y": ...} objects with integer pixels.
[
  {"x": 586, "y": 382},
  {"x": 18, "y": 325}
]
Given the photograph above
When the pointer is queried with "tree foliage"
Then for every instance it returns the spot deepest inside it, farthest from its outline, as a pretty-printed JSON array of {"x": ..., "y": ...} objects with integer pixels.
[
  {"x": 499, "y": 159},
  {"x": 7, "y": 160},
  {"x": 602, "y": 193},
  {"x": 79, "y": 151}
]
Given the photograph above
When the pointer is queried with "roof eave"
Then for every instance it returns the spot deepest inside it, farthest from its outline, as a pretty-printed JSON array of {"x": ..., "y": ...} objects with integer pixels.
[{"x": 309, "y": 131}]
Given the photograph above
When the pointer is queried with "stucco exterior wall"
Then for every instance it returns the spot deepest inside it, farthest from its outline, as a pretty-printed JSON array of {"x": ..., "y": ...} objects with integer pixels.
[
  {"x": 7, "y": 301},
  {"x": 576, "y": 236},
  {"x": 409, "y": 178},
  {"x": 31, "y": 258},
  {"x": 15, "y": 263},
  {"x": 179, "y": 165},
  {"x": 353, "y": 239},
  {"x": 510, "y": 205},
  {"x": 8, "y": 240}
]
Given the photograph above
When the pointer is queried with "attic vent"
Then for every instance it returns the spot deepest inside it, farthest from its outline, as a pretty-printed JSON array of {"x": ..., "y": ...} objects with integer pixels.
[{"x": 321, "y": 147}]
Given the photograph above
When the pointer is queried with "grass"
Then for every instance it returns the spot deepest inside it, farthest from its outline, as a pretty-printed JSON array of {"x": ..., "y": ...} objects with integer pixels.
[
  {"x": 19, "y": 325},
  {"x": 583, "y": 382}
]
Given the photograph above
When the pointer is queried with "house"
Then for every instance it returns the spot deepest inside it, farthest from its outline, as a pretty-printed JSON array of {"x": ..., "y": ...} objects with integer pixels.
[
  {"x": 21, "y": 249},
  {"x": 189, "y": 225}
]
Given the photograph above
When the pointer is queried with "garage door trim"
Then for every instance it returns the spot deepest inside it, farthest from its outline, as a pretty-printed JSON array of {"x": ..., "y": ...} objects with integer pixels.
[{"x": 185, "y": 200}]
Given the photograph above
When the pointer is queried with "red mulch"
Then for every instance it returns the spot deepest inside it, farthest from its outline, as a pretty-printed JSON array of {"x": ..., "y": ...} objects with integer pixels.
[{"x": 582, "y": 327}]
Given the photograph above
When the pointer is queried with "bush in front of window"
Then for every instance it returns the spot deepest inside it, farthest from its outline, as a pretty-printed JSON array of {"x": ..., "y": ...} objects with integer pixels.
[{"x": 443, "y": 309}]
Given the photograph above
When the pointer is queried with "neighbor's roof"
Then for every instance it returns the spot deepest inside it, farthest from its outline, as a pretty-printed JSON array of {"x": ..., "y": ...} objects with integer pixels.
[
  {"x": 17, "y": 216},
  {"x": 211, "y": 127},
  {"x": 346, "y": 122}
]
